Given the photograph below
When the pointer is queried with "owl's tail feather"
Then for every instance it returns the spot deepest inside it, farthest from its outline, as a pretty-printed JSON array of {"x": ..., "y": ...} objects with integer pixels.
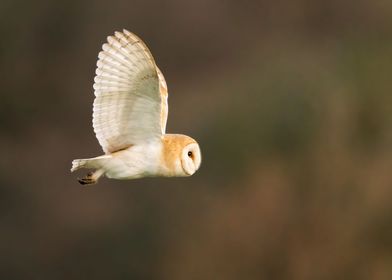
[
  {"x": 92, "y": 163},
  {"x": 77, "y": 164}
]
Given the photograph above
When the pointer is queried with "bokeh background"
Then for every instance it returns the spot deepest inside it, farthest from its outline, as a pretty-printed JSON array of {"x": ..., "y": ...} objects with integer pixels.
[{"x": 290, "y": 101}]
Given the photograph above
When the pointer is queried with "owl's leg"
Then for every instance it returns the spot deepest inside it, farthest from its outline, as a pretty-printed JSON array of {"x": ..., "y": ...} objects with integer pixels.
[{"x": 92, "y": 177}]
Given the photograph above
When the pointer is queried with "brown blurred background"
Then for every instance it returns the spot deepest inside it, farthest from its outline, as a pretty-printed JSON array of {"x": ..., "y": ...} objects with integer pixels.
[{"x": 290, "y": 101}]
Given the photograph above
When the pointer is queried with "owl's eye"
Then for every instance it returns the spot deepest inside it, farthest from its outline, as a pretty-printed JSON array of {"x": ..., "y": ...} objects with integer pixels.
[{"x": 190, "y": 154}]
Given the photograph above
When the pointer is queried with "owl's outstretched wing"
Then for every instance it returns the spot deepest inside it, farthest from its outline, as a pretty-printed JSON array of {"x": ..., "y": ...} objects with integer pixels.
[{"x": 130, "y": 106}]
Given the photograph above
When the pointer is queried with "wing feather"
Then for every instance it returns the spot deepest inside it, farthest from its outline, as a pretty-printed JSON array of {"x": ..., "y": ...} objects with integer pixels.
[{"x": 129, "y": 105}]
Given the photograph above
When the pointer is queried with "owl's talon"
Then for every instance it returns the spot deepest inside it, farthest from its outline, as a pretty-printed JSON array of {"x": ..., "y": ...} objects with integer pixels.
[{"x": 87, "y": 181}]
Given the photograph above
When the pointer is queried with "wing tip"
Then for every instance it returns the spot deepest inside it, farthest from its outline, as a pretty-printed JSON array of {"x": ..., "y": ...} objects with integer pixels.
[{"x": 127, "y": 32}]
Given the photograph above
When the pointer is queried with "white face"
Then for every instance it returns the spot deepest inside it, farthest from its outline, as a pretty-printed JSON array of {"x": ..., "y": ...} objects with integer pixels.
[{"x": 190, "y": 159}]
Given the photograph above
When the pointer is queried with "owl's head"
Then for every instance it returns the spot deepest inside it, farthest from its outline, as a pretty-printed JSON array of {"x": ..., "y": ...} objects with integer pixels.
[
  {"x": 190, "y": 158},
  {"x": 181, "y": 155}
]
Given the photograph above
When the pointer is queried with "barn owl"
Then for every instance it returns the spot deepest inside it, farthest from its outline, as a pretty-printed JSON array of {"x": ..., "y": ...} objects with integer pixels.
[{"x": 129, "y": 118}]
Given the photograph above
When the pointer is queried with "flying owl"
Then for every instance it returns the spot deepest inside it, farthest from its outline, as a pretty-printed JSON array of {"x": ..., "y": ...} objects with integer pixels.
[{"x": 129, "y": 118}]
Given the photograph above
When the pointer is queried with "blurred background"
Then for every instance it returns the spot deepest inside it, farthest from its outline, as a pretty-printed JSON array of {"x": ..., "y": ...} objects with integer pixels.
[{"x": 291, "y": 104}]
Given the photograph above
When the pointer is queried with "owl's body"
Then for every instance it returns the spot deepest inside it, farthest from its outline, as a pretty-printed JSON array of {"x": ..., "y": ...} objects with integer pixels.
[{"x": 129, "y": 118}]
